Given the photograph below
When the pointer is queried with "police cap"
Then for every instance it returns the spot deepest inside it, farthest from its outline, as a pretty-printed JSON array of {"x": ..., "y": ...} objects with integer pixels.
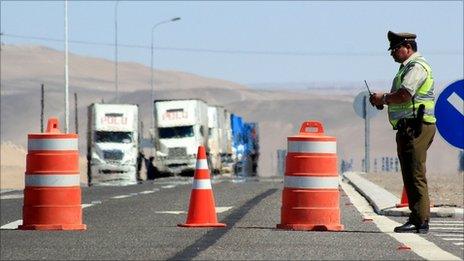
[{"x": 397, "y": 39}]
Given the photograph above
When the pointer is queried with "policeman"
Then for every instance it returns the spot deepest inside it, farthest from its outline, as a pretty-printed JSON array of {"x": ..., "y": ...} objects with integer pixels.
[{"x": 410, "y": 112}]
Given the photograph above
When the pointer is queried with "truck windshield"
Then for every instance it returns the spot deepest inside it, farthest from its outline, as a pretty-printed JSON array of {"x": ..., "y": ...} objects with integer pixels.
[
  {"x": 176, "y": 132},
  {"x": 113, "y": 136}
]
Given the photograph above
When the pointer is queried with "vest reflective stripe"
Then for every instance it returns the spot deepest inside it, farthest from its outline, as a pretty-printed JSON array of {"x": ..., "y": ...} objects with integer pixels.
[
  {"x": 52, "y": 180},
  {"x": 202, "y": 164},
  {"x": 312, "y": 146},
  {"x": 310, "y": 182},
  {"x": 201, "y": 184},
  {"x": 407, "y": 114},
  {"x": 52, "y": 144},
  {"x": 424, "y": 95}
]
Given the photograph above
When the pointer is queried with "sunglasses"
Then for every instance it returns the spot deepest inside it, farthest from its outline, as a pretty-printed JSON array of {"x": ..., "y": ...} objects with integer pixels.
[{"x": 393, "y": 50}]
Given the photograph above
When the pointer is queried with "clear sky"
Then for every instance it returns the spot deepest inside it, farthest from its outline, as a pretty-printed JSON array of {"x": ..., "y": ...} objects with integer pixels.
[{"x": 249, "y": 42}]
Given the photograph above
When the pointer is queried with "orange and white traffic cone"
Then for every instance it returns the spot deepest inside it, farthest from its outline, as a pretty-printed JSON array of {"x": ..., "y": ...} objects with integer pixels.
[
  {"x": 404, "y": 199},
  {"x": 202, "y": 211}
]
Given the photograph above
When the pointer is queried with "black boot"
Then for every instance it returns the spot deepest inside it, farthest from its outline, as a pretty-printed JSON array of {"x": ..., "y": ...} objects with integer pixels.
[
  {"x": 423, "y": 228},
  {"x": 410, "y": 227}
]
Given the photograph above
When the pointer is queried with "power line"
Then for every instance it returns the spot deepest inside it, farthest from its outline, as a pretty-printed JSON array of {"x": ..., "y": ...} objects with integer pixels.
[{"x": 223, "y": 51}]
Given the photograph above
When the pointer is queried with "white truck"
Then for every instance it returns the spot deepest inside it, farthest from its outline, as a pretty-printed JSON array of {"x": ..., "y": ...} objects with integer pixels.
[
  {"x": 112, "y": 144},
  {"x": 216, "y": 121},
  {"x": 180, "y": 127}
]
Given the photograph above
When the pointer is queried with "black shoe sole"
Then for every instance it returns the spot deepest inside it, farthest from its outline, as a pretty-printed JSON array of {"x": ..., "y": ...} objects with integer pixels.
[
  {"x": 422, "y": 231},
  {"x": 417, "y": 231}
]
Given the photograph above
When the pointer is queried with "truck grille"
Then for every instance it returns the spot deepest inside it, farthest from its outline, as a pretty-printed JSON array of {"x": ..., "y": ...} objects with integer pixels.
[
  {"x": 176, "y": 152},
  {"x": 113, "y": 154}
]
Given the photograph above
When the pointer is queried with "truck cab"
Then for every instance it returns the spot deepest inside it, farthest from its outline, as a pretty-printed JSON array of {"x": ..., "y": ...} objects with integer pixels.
[
  {"x": 180, "y": 127},
  {"x": 112, "y": 144}
]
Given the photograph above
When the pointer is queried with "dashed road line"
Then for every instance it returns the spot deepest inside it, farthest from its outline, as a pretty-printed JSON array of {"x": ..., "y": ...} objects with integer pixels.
[
  {"x": 12, "y": 196},
  {"x": 147, "y": 192},
  {"x": 16, "y": 223},
  {"x": 12, "y": 225},
  {"x": 121, "y": 196}
]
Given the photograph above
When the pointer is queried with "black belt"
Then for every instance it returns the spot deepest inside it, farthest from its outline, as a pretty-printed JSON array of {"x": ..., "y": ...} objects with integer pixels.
[{"x": 428, "y": 123}]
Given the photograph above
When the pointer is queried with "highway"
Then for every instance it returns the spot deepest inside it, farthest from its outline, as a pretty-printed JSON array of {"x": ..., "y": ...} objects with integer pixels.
[{"x": 140, "y": 222}]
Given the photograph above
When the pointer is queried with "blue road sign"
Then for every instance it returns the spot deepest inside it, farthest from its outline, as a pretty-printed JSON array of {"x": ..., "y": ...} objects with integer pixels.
[
  {"x": 362, "y": 107},
  {"x": 449, "y": 111}
]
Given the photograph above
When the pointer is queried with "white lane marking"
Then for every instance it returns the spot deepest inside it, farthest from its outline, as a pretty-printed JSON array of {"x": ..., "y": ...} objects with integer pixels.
[
  {"x": 459, "y": 243},
  {"x": 449, "y": 235},
  {"x": 446, "y": 228},
  {"x": 446, "y": 225},
  {"x": 13, "y": 196},
  {"x": 121, "y": 196},
  {"x": 178, "y": 212},
  {"x": 6, "y": 190},
  {"x": 419, "y": 245},
  {"x": 452, "y": 238},
  {"x": 459, "y": 222},
  {"x": 457, "y": 102},
  {"x": 169, "y": 186},
  {"x": 147, "y": 192},
  {"x": 12, "y": 225},
  {"x": 222, "y": 209},
  {"x": 15, "y": 224}
]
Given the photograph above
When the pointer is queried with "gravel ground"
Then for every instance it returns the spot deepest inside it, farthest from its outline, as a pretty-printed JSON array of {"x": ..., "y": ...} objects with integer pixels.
[{"x": 444, "y": 189}]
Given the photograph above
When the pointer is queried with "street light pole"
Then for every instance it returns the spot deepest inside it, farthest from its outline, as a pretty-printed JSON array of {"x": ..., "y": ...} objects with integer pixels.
[
  {"x": 116, "y": 76},
  {"x": 66, "y": 76},
  {"x": 151, "y": 78}
]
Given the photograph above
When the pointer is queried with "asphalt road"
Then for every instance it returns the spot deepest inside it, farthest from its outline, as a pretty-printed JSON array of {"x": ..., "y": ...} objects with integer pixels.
[{"x": 140, "y": 222}]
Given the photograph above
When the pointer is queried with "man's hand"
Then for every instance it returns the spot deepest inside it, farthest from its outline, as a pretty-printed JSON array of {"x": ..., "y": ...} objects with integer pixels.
[{"x": 376, "y": 99}]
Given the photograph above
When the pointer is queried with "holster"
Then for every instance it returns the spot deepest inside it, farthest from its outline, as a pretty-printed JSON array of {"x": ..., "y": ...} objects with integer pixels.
[{"x": 412, "y": 126}]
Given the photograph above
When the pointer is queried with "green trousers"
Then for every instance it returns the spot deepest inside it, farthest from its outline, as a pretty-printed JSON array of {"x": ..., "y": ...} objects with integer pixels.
[{"x": 412, "y": 153}]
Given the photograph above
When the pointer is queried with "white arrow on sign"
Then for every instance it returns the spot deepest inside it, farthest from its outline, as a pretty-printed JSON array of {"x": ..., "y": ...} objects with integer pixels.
[{"x": 457, "y": 102}]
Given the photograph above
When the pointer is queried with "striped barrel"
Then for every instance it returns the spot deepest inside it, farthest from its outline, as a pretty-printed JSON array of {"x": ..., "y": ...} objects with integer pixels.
[
  {"x": 52, "y": 194},
  {"x": 311, "y": 197}
]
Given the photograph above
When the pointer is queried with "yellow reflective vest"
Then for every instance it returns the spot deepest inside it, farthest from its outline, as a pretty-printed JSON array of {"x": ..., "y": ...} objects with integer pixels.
[{"x": 424, "y": 95}]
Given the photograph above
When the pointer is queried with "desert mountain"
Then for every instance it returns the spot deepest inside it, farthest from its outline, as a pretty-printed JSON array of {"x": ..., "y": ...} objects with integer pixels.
[{"x": 278, "y": 112}]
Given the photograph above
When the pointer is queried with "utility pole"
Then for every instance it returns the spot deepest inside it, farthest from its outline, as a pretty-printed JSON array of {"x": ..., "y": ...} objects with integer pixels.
[
  {"x": 366, "y": 136},
  {"x": 76, "y": 123},
  {"x": 66, "y": 76},
  {"x": 116, "y": 76},
  {"x": 42, "y": 105}
]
